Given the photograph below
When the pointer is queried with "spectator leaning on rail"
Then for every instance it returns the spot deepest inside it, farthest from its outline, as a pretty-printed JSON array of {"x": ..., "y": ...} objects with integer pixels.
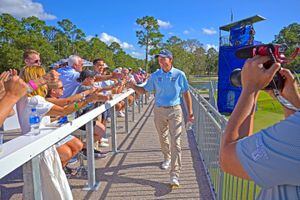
[
  {"x": 99, "y": 67},
  {"x": 53, "y": 180},
  {"x": 69, "y": 75},
  {"x": 38, "y": 97},
  {"x": 271, "y": 157},
  {"x": 87, "y": 79},
  {"x": 69, "y": 146},
  {"x": 168, "y": 83}
]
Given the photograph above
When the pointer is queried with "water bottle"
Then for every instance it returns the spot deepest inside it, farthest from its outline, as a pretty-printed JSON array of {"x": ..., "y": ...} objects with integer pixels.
[
  {"x": 71, "y": 117},
  {"x": 62, "y": 120},
  {"x": 189, "y": 126},
  {"x": 90, "y": 105},
  {"x": 34, "y": 121}
]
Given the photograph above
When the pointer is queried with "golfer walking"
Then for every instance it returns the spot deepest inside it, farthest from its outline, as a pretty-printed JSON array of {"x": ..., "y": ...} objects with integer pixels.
[{"x": 169, "y": 84}]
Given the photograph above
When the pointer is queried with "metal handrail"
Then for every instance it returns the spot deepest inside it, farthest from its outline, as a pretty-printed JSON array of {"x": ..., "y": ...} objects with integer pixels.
[
  {"x": 208, "y": 128},
  {"x": 25, "y": 149}
]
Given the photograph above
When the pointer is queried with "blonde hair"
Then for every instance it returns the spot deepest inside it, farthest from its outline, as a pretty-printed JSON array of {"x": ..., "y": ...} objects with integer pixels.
[
  {"x": 28, "y": 52},
  {"x": 52, "y": 86},
  {"x": 32, "y": 73}
]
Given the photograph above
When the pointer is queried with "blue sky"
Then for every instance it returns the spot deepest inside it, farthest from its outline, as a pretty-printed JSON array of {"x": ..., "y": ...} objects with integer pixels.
[{"x": 114, "y": 20}]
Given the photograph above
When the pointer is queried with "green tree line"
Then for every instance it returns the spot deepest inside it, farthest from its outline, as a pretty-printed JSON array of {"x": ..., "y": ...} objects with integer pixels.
[
  {"x": 65, "y": 39},
  {"x": 191, "y": 56},
  {"x": 54, "y": 43}
]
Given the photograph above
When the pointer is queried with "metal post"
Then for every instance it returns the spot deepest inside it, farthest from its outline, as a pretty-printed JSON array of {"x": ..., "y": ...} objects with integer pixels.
[
  {"x": 223, "y": 126},
  {"x": 237, "y": 187},
  {"x": 212, "y": 100},
  {"x": 113, "y": 129},
  {"x": 146, "y": 98},
  {"x": 232, "y": 186},
  {"x": 133, "y": 107},
  {"x": 248, "y": 188},
  {"x": 32, "y": 179},
  {"x": 92, "y": 184},
  {"x": 126, "y": 116},
  {"x": 139, "y": 105},
  {"x": 242, "y": 189},
  {"x": 197, "y": 120},
  {"x": 227, "y": 187},
  {"x": 254, "y": 191},
  {"x": 142, "y": 100}
]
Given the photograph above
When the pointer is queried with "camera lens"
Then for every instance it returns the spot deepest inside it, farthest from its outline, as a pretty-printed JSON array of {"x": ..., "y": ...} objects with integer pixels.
[{"x": 235, "y": 78}]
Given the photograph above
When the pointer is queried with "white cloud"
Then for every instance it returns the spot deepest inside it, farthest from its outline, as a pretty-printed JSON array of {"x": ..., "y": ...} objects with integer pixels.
[
  {"x": 164, "y": 24},
  {"x": 89, "y": 37},
  {"x": 186, "y": 32},
  {"x": 24, "y": 8},
  {"x": 208, "y": 31},
  {"x": 108, "y": 39},
  {"x": 208, "y": 46},
  {"x": 137, "y": 54},
  {"x": 125, "y": 45},
  {"x": 171, "y": 33}
]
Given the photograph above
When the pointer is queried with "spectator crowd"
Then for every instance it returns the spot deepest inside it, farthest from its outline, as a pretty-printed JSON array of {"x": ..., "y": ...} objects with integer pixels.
[{"x": 68, "y": 90}]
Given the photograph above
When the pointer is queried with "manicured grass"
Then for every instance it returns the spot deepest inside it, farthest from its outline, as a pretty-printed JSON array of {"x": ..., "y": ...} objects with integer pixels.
[
  {"x": 269, "y": 111},
  {"x": 202, "y": 79}
]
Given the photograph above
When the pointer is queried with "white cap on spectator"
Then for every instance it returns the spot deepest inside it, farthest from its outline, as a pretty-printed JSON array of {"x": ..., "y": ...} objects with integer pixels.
[{"x": 118, "y": 70}]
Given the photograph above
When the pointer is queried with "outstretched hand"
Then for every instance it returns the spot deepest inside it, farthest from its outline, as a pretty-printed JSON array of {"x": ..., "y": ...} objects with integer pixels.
[
  {"x": 15, "y": 87},
  {"x": 130, "y": 84}
]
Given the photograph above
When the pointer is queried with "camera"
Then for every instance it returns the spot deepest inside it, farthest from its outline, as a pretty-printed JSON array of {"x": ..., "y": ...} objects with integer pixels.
[{"x": 276, "y": 54}]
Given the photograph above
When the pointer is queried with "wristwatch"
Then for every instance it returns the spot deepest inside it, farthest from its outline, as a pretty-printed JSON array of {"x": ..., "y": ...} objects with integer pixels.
[{"x": 83, "y": 96}]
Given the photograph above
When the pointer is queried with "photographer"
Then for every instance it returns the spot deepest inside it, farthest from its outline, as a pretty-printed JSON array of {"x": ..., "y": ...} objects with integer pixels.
[{"x": 271, "y": 157}]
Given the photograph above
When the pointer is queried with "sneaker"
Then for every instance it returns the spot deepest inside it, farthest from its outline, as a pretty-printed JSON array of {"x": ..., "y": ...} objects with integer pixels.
[
  {"x": 103, "y": 144},
  {"x": 166, "y": 164},
  {"x": 120, "y": 114},
  {"x": 174, "y": 181},
  {"x": 104, "y": 140},
  {"x": 70, "y": 171},
  {"x": 97, "y": 154}
]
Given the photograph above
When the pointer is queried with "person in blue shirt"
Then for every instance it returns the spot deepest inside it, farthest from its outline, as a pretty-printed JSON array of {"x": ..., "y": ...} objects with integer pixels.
[
  {"x": 169, "y": 84},
  {"x": 271, "y": 157},
  {"x": 70, "y": 74}
]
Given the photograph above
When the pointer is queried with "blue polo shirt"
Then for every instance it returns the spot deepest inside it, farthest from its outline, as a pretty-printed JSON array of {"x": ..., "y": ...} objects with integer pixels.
[
  {"x": 271, "y": 158},
  {"x": 168, "y": 86},
  {"x": 69, "y": 76}
]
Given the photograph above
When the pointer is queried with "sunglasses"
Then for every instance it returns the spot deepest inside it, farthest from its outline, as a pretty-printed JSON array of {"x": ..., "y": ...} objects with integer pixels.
[{"x": 37, "y": 61}]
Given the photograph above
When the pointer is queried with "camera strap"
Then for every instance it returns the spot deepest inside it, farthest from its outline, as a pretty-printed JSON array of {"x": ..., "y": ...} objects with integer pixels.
[{"x": 284, "y": 101}]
